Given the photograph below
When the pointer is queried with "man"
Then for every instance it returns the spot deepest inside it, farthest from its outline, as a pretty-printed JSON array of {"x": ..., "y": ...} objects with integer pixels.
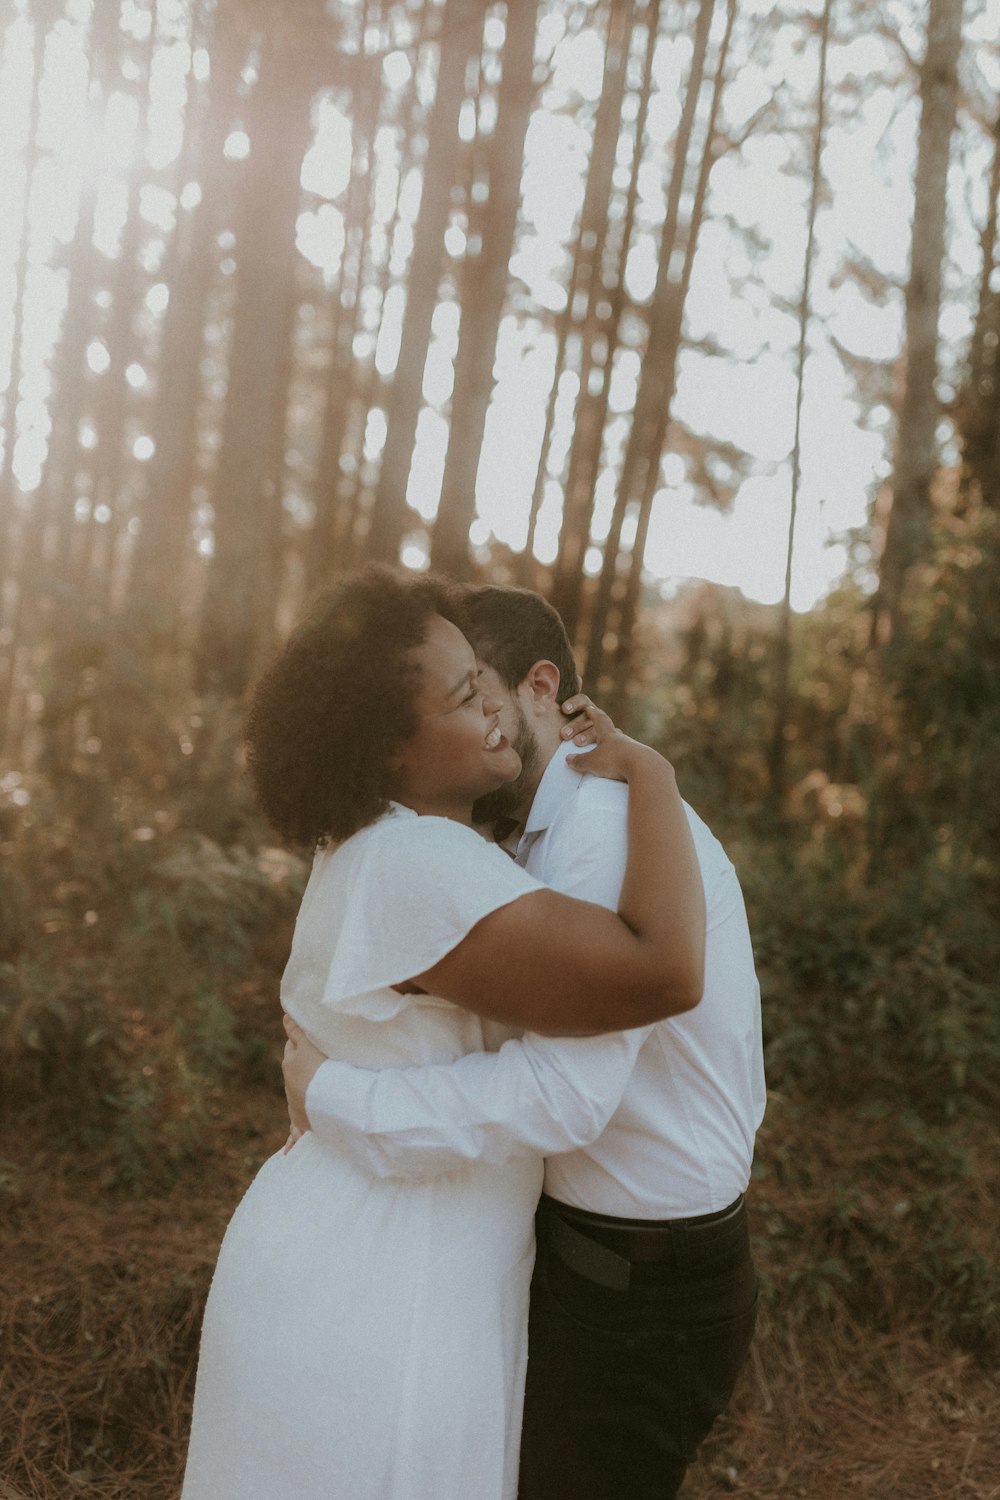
[{"x": 643, "y": 1299}]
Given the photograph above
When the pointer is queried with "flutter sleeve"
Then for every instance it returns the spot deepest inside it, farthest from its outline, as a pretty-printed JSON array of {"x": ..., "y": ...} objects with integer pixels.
[{"x": 396, "y": 903}]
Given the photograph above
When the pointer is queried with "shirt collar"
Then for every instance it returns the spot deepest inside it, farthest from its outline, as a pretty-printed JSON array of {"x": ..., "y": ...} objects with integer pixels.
[{"x": 558, "y": 784}]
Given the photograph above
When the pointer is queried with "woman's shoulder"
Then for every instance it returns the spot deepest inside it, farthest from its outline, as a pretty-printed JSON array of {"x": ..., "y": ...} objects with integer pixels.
[
  {"x": 402, "y": 828},
  {"x": 402, "y": 821},
  {"x": 411, "y": 845},
  {"x": 392, "y": 900}
]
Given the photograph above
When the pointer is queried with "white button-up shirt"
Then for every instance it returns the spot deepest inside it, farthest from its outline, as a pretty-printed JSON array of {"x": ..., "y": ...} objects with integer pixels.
[{"x": 653, "y": 1123}]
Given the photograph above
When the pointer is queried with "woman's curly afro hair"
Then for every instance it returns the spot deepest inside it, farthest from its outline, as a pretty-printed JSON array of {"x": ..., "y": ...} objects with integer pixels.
[{"x": 337, "y": 703}]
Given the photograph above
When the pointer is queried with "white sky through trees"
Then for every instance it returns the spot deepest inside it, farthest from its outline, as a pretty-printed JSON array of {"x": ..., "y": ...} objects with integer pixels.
[{"x": 736, "y": 375}]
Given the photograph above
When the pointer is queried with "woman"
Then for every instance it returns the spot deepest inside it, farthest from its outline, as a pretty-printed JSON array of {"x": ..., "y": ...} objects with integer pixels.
[{"x": 365, "y": 1339}]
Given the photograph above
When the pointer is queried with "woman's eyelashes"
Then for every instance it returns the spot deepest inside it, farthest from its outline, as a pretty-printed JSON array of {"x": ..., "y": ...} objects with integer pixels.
[{"x": 476, "y": 689}]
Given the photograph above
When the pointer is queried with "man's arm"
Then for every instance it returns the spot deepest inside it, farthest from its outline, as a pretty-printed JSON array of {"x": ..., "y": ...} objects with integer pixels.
[{"x": 536, "y": 1096}]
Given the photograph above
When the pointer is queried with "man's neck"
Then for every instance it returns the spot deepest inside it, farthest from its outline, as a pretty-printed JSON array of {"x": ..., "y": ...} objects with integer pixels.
[{"x": 523, "y": 809}]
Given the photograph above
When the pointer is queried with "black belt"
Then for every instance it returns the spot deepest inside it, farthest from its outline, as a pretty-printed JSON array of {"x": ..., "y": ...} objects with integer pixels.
[{"x": 632, "y": 1242}]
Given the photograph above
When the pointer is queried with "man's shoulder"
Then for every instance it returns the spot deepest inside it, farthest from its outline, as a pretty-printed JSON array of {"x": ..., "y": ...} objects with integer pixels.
[
  {"x": 595, "y": 814},
  {"x": 598, "y": 801},
  {"x": 600, "y": 805}
]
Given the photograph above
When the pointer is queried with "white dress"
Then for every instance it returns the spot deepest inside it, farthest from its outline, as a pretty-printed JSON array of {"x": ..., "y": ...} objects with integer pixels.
[{"x": 366, "y": 1339}]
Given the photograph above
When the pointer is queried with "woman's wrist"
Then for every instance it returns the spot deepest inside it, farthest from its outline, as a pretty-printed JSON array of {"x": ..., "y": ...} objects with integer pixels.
[{"x": 644, "y": 760}]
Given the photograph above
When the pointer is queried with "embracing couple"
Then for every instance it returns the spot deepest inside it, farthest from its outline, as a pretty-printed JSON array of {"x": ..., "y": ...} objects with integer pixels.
[{"x": 520, "y": 1005}]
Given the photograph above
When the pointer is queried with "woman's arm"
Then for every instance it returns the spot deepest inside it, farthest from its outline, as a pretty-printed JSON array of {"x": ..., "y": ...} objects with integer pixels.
[{"x": 566, "y": 967}]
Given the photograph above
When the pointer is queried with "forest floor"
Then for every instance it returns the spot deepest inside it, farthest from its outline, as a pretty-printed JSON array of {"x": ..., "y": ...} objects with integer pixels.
[{"x": 103, "y": 1296}]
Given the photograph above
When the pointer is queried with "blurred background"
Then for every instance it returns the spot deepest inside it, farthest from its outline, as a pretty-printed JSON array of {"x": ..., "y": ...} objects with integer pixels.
[{"x": 685, "y": 313}]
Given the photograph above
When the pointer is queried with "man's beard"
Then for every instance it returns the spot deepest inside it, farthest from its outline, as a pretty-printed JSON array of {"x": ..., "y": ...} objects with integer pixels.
[{"x": 505, "y": 801}]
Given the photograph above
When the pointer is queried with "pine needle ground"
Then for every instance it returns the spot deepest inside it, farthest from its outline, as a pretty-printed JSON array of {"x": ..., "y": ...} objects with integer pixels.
[{"x": 858, "y": 1384}]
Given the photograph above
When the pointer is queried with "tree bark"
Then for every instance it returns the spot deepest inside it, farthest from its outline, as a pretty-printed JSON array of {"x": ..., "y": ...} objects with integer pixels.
[
  {"x": 672, "y": 343},
  {"x": 334, "y": 510},
  {"x": 656, "y": 379},
  {"x": 461, "y": 32},
  {"x": 915, "y": 458},
  {"x": 47, "y": 530},
  {"x": 578, "y": 494},
  {"x": 43, "y": 19},
  {"x": 979, "y": 408},
  {"x": 783, "y": 644},
  {"x": 484, "y": 290},
  {"x": 245, "y": 498},
  {"x": 10, "y": 522},
  {"x": 153, "y": 598},
  {"x": 92, "y": 576},
  {"x": 367, "y": 390}
]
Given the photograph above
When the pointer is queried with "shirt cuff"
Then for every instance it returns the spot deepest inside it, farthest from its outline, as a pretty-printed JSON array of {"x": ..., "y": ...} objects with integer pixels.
[{"x": 337, "y": 1095}]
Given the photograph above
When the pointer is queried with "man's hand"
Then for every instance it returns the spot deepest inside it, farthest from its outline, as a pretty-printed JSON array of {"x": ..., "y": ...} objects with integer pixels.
[{"x": 299, "y": 1063}]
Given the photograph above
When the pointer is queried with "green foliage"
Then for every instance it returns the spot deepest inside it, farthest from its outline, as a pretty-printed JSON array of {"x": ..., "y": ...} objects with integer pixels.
[
  {"x": 873, "y": 882},
  {"x": 146, "y": 972},
  {"x": 937, "y": 788},
  {"x": 874, "y": 992},
  {"x": 872, "y": 889},
  {"x": 147, "y": 918},
  {"x": 15, "y": 900}
]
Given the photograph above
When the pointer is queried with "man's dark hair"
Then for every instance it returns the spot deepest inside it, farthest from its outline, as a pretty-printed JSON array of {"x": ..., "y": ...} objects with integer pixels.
[
  {"x": 337, "y": 704},
  {"x": 512, "y": 628}
]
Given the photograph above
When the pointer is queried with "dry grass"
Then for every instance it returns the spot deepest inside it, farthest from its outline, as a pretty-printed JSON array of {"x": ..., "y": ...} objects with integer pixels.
[
  {"x": 852, "y": 1390},
  {"x": 102, "y": 1300},
  {"x": 892, "y": 1417}
]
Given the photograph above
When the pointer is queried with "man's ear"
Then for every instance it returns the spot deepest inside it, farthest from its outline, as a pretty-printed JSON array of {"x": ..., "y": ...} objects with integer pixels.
[{"x": 542, "y": 683}]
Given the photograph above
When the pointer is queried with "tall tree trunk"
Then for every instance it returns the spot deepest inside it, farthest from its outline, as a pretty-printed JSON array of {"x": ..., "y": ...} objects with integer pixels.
[
  {"x": 915, "y": 457},
  {"x": 46, "y": 532},
  {"x": 656, "y": 379},
  {"x": 367, "y": 389},
  {"x": 460, "y": 36},
  {"x": 96, "y": 538},
  {"x": 564, "y": 327},
  {"x": 72, "y": 386},
  {"x": 153, "y": 597},
  {"x": 979, "y": 410},
  {"x": 484, "y": 290},
  {"x": 595, "y": 345},
  {"x": 245, "y": 498},
  {"x": 587, "y": 248},
  {"x": 334, "y": 510},
  {"x": 10, "y": 522},
  {"x": 588, "y": 435},
  {"x": 669, "y": 354},
  {"x": 43, "y": 20},
  {"x": 783, "y": 645}
]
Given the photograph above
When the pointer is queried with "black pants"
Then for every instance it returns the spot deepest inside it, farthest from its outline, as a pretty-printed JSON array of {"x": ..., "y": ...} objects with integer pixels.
[{"x": 623, "y": 1385}]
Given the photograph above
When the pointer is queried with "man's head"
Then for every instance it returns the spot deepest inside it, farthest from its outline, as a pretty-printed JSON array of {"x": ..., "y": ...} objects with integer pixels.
[{"x": 529, "y": 667}]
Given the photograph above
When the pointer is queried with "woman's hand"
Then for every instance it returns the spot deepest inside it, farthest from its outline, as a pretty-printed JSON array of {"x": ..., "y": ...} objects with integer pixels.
[
  {"x": 615, "y": 755},
  {"x": 299, "y": 1063}
]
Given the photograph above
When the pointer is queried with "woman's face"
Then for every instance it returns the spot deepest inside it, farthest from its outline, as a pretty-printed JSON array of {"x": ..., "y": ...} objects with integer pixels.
[{"x": 458, "y": 752}]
